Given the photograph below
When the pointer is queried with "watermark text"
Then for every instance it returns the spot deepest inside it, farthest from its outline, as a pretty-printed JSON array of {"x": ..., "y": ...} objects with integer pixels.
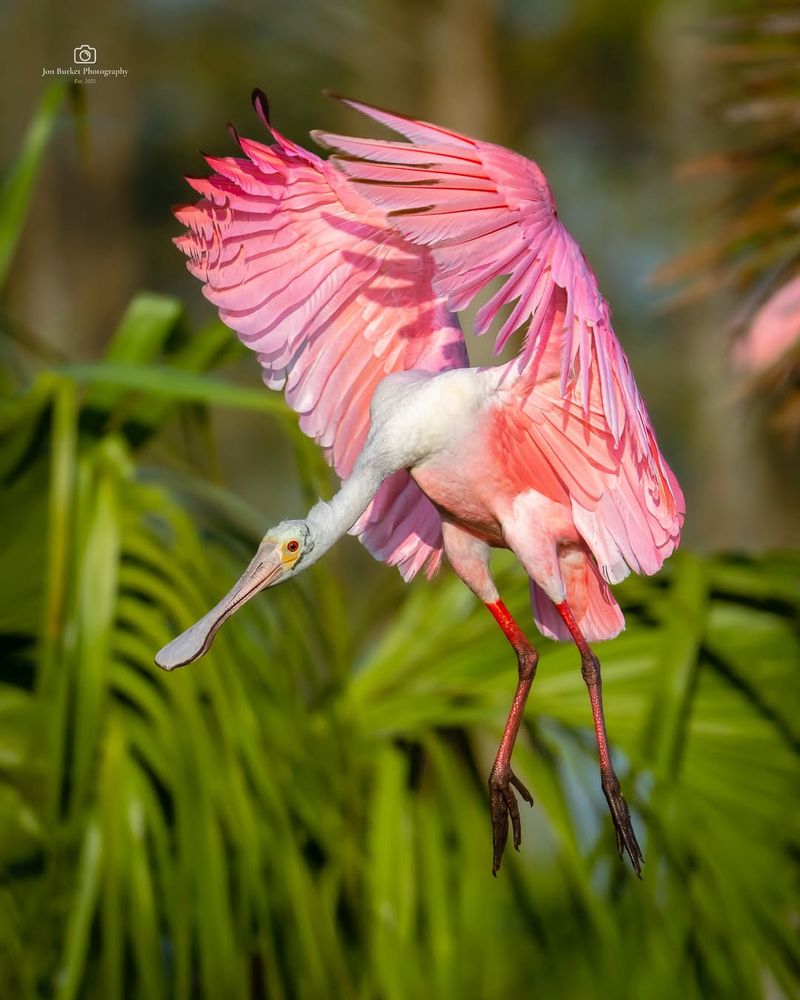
[{"x": 84, "y": 68}]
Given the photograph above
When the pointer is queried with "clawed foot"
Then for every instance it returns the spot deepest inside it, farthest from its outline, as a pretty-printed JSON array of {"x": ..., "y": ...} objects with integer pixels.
[
  {"x": 503, "y": 803},
  {"x": 623, "y": 827}
]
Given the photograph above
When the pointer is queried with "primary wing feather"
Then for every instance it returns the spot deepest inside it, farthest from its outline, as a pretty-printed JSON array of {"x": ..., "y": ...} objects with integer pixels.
[{"x": 332, "y": 300}]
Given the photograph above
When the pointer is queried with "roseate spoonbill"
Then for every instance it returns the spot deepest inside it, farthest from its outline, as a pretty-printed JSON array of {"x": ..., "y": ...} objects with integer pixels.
[{"x": 344, "y": 276}]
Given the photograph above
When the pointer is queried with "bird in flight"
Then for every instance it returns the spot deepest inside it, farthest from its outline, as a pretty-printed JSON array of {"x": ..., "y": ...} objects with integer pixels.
[{"x": 345, "y": 276}]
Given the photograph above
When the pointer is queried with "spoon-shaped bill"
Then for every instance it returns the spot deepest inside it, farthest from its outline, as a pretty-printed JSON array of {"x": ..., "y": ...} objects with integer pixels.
[{"x": 190, "y": 645}]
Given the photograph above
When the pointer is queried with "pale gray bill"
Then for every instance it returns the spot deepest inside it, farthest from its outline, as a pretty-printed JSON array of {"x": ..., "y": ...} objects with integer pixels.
[{"x": 195, "y": 641}]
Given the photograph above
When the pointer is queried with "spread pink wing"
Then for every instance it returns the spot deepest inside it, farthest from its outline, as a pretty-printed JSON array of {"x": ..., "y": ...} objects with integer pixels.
[
  {"x": 488, "y": 213},
  {"x": 310, "y": 277}
]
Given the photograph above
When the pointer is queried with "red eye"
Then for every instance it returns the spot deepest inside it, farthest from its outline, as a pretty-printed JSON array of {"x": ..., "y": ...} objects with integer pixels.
[{"x": 293, "y": 546}]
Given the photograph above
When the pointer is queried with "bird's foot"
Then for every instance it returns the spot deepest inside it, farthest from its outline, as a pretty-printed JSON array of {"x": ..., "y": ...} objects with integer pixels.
[
  {"x": 503, "y": 803},
  {"x": 623, "y": 827}
]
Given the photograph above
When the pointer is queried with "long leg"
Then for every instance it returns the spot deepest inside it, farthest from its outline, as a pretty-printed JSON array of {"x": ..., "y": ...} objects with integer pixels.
[
  {"x": 590, "y": 669},
  {"x": 502, "y": 800},
  {"x": 469, "y": 557}
]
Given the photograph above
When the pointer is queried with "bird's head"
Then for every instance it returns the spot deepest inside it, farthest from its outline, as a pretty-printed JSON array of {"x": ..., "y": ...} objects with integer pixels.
[
  {"x": 288, "y": 543},
  {"x": 280, "y": 556}
]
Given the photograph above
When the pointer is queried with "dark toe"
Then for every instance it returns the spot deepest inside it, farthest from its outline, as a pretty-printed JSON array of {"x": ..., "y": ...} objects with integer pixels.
[
  {"x": 504, "y": 806},
  {"x": 623, "y": 826}
]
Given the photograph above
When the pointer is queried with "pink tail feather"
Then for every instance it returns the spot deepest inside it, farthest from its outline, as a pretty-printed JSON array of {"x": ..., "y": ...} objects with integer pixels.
[{"x": 589, "y": 597}]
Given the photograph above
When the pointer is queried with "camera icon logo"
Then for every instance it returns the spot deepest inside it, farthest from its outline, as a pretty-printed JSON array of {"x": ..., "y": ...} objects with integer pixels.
[{"x": 84, "y": 55}]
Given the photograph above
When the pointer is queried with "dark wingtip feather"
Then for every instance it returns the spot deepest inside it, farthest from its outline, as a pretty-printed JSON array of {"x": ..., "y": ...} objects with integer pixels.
[
  {"x": 234, "y": 133},
  {"x": 410, "y": 211},
  {"x": 260, "y": 103}
]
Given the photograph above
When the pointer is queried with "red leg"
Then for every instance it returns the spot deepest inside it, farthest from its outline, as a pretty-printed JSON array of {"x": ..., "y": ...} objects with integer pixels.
[
  {"x": 502, "y": 800},
  {"x": 590, "y": 668}
]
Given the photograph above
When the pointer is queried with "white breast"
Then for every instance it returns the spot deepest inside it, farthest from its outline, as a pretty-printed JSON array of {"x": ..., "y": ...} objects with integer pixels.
[{"x": 416, "y": 414}]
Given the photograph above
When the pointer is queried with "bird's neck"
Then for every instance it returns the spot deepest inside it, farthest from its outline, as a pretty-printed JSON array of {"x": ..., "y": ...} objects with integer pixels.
[{"x": 328, "y": 520}]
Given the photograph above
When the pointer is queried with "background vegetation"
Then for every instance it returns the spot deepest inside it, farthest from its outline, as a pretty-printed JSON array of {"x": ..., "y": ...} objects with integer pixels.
[{"x": 304, "y": 813}]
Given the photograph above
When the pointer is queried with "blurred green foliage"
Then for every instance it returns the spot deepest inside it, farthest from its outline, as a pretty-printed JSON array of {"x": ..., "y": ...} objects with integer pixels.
[
  {"x": 754, "y": 249},
  {"x": 304, "y": 813}
]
